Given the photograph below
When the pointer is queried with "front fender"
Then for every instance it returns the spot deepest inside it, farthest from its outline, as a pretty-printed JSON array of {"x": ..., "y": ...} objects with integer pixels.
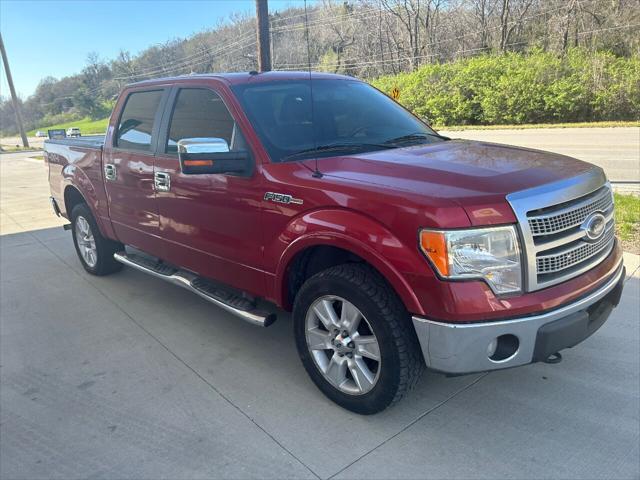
[{"x": 356, "y": 233}]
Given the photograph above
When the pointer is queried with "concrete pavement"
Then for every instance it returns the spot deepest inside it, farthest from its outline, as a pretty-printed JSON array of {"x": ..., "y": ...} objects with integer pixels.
[
  {"x": 129, "y": 377},
  {"x": 24, "y": 194}
]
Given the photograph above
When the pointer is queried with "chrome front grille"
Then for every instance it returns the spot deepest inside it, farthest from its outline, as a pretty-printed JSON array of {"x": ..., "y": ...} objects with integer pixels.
[
  {"x": 574, "y": 255},
  {"x": 554, "y": 220},
  {"x": 572, "y": 215}
]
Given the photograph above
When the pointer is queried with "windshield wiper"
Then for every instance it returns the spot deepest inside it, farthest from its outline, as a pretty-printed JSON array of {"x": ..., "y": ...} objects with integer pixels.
[
  {"x": 336, "y": 146},
  {"x": 412, "y": 137}
]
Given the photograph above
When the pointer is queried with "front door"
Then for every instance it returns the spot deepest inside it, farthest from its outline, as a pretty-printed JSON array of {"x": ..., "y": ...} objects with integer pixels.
[
  {"x": 210, "y": 223},
  {"x": 128, "y": 171}
]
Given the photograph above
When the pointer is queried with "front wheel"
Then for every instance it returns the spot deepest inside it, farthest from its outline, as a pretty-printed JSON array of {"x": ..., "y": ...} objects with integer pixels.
[{"x": 354, "y": 338}]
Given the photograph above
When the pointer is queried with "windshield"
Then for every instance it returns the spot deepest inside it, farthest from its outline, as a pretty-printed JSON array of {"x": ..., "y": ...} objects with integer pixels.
[{"x": 347, "y": 117}]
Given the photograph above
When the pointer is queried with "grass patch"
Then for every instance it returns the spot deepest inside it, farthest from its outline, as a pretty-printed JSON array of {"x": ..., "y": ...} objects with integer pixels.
[
  {"x": 627, "y": 214},
  {"x": 87, "y": 126},
  {"x": 612, "y": 124},
  {"x": 628, "y": 221},
  {"x": 17, "y": 148}
]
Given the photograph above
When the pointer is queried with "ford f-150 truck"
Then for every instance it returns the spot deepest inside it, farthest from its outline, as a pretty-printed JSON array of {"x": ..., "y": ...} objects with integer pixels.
[{"x": 394, "y": 247}]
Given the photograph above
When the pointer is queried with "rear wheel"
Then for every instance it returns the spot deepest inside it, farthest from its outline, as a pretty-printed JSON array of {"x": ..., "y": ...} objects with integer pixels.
[
  {"x": 94, "y": 251},
  {"x": 354, "y": 338}
]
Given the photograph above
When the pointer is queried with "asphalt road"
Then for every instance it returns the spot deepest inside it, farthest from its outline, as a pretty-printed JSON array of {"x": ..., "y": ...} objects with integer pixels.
[
  {"x": 616, "y": 150},
  {"x": 129, "y": 377}
]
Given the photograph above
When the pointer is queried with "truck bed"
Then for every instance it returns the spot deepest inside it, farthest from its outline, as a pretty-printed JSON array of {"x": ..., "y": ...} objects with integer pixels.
[
  {"x": 90, "y": 141},
  {"x": 77, "y": 161}
]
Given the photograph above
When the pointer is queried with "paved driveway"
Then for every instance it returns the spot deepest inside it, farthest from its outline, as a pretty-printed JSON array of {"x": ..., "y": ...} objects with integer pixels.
[{"x": 127, "y": 376}]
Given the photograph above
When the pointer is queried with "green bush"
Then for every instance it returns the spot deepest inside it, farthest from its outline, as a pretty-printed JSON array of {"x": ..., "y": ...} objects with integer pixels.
[
  {"x": 518, "y": 88},
  {"x": 64, "y": 117}
]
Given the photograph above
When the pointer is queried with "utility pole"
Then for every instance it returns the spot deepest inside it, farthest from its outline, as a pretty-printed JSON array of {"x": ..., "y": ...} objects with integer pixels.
[
  {"x": 264, "y": 47},
  {"x": 14, "y": 97}
]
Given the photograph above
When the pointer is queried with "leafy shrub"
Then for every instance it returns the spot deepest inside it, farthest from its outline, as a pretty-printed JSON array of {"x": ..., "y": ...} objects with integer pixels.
[
  {"x": 60, "y": 118},
  {"x": 516, "y": 88}
]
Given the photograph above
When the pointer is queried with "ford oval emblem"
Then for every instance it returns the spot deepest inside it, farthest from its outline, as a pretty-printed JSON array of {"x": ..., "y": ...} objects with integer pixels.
[{"x": 593, "y": 226}]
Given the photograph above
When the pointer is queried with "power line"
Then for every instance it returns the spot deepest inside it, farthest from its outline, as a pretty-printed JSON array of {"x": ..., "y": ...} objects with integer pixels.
[
  {"x": 167, "y": 68},
  {"x": 361, "y": 15},
  {"x": 358, "y": 63},
  {"x": 201, "y": 53},
  {"x": 438, "y": 42},
  {"x": 191, "y": 65},
  {"x": 607, "y": 29},
  {"x": 327, "y": 17},
  {"x": 375, "y": 11},
  {"x": 319, "y": 20},
  {"x": 392, "y": 60},
  {"x": 179, "y": 63},
  {"x": 301, "y": 15}
]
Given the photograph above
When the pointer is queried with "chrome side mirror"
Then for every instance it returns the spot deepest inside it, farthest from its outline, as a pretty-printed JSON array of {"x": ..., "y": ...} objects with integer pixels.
[
  {"x": 212, "y": 155},
  {"x": 203, "y": 145}
]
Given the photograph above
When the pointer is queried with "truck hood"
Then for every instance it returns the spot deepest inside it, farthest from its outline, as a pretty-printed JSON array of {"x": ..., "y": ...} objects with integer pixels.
[{"x": 475, "y": 175}]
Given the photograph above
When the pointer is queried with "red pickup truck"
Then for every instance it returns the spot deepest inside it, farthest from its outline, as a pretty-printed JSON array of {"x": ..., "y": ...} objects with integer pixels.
[{"x": 395, "y": 248}]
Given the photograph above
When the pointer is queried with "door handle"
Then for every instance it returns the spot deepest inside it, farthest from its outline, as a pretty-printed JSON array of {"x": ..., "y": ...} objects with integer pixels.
[
  {"x": 110, "y": 172},
  {"x": 162, "y": 181}
]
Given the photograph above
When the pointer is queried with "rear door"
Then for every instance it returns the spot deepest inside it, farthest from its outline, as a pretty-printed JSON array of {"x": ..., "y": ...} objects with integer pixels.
[{"x": 128, "y": 170}]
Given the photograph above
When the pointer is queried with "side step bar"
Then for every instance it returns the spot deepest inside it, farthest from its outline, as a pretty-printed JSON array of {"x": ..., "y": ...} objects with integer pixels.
[{"x": 234, "y": 304}]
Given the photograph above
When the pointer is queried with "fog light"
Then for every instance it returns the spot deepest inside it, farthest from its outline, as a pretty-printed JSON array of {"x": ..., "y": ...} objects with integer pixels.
[
  {"x": 491, "y": 348},
  {"x": 506, "y": 346}
]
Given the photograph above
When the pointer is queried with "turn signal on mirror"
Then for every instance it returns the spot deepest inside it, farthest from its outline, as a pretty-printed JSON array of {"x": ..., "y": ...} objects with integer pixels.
[{"x": 198, "y": 163}]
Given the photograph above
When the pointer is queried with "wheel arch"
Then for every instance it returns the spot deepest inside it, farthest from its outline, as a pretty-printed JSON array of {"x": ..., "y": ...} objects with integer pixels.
[
  {"x": 310, "y": 254},
  {"x": 73, "y": 196}
]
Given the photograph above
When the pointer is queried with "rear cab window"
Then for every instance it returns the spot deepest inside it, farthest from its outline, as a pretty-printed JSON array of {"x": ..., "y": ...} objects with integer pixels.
[{"x": 136, "y": 123}]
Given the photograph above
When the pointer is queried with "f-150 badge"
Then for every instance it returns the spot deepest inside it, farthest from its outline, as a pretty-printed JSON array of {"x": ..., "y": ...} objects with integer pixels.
[{"x": 282, "y": 198}]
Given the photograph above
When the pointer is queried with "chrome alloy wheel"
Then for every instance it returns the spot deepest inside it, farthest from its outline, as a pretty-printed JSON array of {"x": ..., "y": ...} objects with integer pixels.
[
  {"x": 86, "y": 242},
  {"x": 343, "y": 345}
]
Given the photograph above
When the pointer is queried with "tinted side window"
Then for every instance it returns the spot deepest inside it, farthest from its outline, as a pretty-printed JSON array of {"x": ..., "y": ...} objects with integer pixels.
[
  {"x": 136, "y": 121},
  {"x": 201, "y": 113}
]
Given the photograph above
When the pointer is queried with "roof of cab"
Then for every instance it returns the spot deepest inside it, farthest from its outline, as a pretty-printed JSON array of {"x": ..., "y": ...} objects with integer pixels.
[{"x": 244, "y": 77}]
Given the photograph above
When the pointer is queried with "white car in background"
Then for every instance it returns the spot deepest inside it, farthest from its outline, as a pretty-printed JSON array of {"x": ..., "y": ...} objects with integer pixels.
[
  {"x": 73, "y": 132},
  {"x": 40, "y": 133}
]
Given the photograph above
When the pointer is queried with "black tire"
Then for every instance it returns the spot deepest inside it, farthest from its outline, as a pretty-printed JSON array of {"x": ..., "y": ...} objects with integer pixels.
[
  {"x": 401, "y": 358},
  {"x": 105, "y": 248}
]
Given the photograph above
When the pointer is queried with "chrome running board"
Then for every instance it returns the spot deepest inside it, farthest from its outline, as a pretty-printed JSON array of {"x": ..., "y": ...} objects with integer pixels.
[{"x": 199, "y": 286}]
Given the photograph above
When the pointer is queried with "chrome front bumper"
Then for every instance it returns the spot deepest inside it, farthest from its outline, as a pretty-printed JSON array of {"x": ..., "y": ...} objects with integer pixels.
[{"x": 463, "y": 348}]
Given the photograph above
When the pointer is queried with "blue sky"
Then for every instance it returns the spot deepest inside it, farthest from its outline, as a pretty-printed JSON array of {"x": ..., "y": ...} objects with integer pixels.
[{"x": 52, "y": 38}]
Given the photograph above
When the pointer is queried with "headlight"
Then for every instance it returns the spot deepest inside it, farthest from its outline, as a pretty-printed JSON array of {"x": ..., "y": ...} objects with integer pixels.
[{"x": 491, "y": 254}]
